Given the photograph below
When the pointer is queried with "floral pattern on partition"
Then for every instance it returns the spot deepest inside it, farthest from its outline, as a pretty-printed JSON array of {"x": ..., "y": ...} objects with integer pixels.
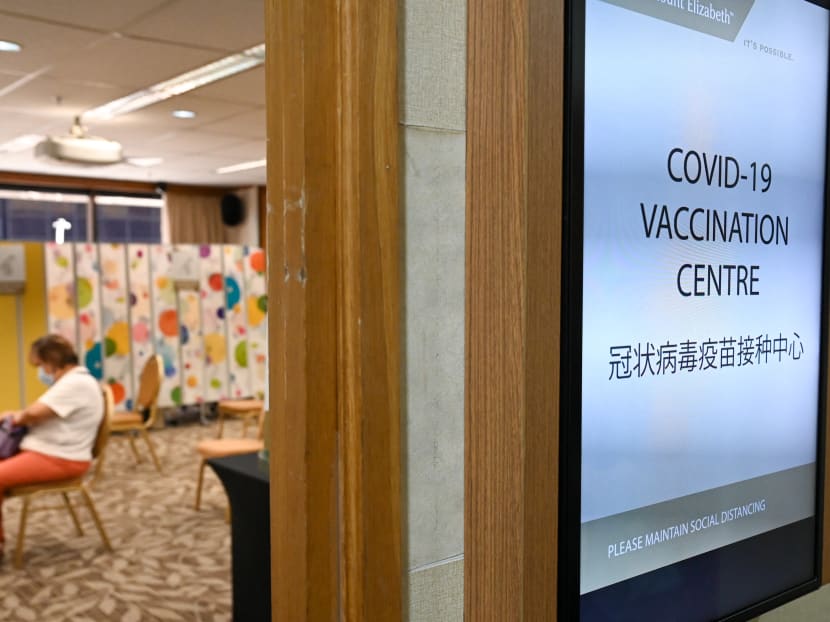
[
  {"x": 60, "y": 290},
  {"x": 192, "y": 343},
  {"x": 212, "y": 286},
  {"x": 140, "y": 307},
  {"x": 257, "y": 307},
  {"x": 87, "y": 289},
  {"x": 115, "y": 320},
  {"x": 235, "y": 311},
  {"x": 166, "y": 324}
]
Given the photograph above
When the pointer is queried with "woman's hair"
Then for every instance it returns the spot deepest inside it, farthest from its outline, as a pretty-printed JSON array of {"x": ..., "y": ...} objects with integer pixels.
[{"x": 55, "y": 350}]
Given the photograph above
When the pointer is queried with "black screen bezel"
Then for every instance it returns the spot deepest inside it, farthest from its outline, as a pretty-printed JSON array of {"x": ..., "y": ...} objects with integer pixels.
[{"x": 570, "y": 480}]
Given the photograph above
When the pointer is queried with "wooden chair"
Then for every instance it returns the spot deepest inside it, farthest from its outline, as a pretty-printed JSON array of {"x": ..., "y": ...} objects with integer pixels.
[
  {"x": 223, "y": 447},
  {"x": 247, "y": 410},
  {"x": 64, "y": 487},
  {"x": 147, "y": 399}
]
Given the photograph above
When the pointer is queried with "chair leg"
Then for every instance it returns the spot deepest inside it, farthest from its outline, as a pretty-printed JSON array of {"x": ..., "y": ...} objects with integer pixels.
[
  {"x": 147, "y": 440},
  {"x": 221, "y": 424},
  {"x": 134, "y": 448},
  {"x": 21, "y": 533},
  {"x": 96, "y": 471},
  {"x": 96, "y": 518},
  {"x": 72, "y": 513},
  {"x": 199, "y": 484}
]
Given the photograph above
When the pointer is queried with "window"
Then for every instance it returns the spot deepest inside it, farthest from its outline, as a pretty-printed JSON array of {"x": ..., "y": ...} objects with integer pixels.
[
  {"x": 32, "y": 216},
  {"x": 128, "y": 219}
]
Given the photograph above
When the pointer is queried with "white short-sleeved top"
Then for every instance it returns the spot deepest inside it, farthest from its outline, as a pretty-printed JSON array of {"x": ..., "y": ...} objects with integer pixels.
[{"x": 78, "y": 403}]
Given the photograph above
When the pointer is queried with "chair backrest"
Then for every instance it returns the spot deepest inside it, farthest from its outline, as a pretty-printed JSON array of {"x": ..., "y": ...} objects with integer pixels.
[
  {"x": 104, "y": 428},
  {"x": 100, "y": 445},
  {"x": 149, "y": 385}
]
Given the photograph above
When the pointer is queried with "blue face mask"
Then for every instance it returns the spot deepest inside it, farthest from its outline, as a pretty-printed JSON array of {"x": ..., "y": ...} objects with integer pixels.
[{"x": 47, "y": 379}]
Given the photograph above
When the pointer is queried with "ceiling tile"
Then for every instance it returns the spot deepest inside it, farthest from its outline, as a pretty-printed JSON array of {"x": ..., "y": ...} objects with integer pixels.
[
  {"x": 7, "y": 78},
  {"x": 192, "y": 142},
  {"x": 88, "y": 68},
  {"x": 109, "y": 15},
  {"x": 223, "y": 24},
  {"x": 131, "y": 63},
  {"x": 43, "y": 44},
  {"x": 247, "y": 87},
  {"x": 48, "y": 97},
  {"x": 207, "y": 111},
  {"x": 246, "y": 125},
  {"x": 13, "y": 124},
  {"x": 246, "y": 152}
]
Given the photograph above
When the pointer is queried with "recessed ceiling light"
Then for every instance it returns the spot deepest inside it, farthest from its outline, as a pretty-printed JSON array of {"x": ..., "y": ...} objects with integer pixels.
[
  {"x": 9, "y": 46},
  {"x": 242, "y": 166},
  {"x": 183, "y": 114},
  {"x": 222, "y": 68}
]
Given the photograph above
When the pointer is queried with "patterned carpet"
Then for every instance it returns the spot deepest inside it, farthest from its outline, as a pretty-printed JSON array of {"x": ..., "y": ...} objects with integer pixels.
[{"x": 170, "y": 562}]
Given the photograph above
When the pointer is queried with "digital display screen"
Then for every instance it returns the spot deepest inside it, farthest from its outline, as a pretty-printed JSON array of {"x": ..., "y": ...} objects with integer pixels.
[{"x": 703, "y": 198}]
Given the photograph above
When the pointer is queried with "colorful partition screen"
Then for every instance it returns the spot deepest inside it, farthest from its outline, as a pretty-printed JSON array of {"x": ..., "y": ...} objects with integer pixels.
[
  {"x": 256, "y": 303},
  {"x": 60, "y": 290},
  {"x": 212, "y": 291},
  {"x": 237, "y": 321},
  {"x": 120, "y": 305},
  {"x": 88, "y": 301},
  {"x": 115, "y": 315},
  {"x": 140, "y": 309},
  {"x": 166, "y": 332},
  {"x": 190, "y": 334}
]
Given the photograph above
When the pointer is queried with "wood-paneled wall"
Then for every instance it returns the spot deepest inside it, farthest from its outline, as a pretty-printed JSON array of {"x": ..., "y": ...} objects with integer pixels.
[
  {"x": 514, "y": 214},
  {"x": 333, "y": 239}
]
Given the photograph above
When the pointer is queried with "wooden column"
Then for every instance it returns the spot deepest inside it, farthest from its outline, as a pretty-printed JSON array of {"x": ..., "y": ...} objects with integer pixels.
[
  {"x": 514, "y": 217},
  {"x": 334, "y": 321}
]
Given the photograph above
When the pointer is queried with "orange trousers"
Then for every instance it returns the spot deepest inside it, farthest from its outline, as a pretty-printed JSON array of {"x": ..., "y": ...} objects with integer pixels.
[{"x": 31, "y": 467}]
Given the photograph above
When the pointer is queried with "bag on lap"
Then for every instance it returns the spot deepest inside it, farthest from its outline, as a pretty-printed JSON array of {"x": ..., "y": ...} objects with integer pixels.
[{"x": 10, "y": 437}]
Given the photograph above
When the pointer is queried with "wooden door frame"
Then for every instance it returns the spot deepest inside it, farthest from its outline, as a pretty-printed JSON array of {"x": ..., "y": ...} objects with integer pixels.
[
  {"x": 334, "y": 250},
  {"x": 515, "y": 95}
]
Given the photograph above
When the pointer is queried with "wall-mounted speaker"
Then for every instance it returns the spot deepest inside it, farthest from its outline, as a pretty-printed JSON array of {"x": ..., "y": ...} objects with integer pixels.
[{"x": 233, "y": 210}]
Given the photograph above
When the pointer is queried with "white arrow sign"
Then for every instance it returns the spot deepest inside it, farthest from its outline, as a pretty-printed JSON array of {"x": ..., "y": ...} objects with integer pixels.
[{"x": 61, "y": 226}]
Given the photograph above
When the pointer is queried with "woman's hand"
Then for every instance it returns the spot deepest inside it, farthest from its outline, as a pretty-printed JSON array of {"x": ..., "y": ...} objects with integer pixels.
[
  {"x": 14, "y": 415},
  {"x": 17, "y": 417}
]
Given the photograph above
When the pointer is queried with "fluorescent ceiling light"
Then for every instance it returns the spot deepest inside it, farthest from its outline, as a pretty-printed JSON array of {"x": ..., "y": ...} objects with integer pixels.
[
  {"x": 144, "y": 162},
  {"x": 242, "y": 166},
  {"x": 21, "y": 143},
  {"x": 9, "y": 46},
  {"x": 129, "y": 201},
  {"x": 50, "y": 197},
  {"x": 183, "y": 114},
  {"x": 222, "y": 68}
]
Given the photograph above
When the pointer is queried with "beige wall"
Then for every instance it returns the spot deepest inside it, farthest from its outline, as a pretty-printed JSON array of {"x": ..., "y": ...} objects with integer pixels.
[
  {"x": 432, "y": 118},
  {"x": 814, "y": 607}
]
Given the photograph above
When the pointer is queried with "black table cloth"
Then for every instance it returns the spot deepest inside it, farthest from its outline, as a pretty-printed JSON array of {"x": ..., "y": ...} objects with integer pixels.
[{"x": 246, "y": 483}]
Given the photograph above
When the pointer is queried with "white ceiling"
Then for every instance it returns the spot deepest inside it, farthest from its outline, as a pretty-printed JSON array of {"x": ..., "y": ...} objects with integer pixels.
[{"x": 79, "y": 54}]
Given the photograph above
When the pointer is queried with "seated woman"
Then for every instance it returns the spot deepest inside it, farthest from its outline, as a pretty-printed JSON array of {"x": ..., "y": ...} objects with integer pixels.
[{"x": 63, "y": 422}]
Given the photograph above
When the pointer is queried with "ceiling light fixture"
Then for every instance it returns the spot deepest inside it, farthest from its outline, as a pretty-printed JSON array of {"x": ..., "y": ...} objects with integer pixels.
[
  {"x": 78, "y": 147},
  {"x": 144, "y": 162},
  {"x": 242, "y": 166},
  {"x": 222, "y": 68},
  {"x": 9, "y": 46},
  {"x": 103, "y": 199},
  {"x": 183, "y": 114}
]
